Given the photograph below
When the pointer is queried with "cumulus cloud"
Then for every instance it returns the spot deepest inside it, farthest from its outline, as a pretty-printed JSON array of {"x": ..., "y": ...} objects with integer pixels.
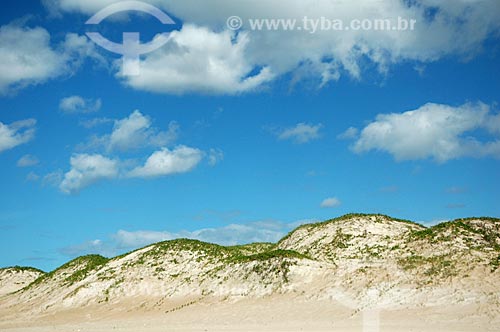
[
  {"x": 75, "y": 50},
  {"x": 443, "y": 28},
  {"x": 301, "y": 133},
  {"x": 86, "y": 170},
  {"x": 27, "y": 161},
  {"x": 330, "y": 202},
  {"x": 133, "y": 132},
  {"x": 27, "y": 57},
  {"x": 136, "y": 131},
  {"x": 196, "y": 59},
  {"x": 77, "y": 104},
  {"x": 17, "y": 133},
  {"x": 164, "y": 162},
  {"x": 436, "y": 131},
  {"x": 456, "y": 27}
]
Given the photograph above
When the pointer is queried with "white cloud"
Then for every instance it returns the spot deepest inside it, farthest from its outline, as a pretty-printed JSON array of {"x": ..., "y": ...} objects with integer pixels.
[
  {"x": 164, "y": 162},
  {"x": 493, "y": 124},
  {"x": 126, "y": 239},
  {"x": 27, "y": 57},
  {"x": 77, "y": 104},
  {"x": 133, "y": 132},
  {"x": 350, "y": 133},
  {"x": 198, "y": 60},
  {"x": 27, "y": 161},
  {"x": 457, "y": 27},
  {"x": 136, "y": 131},
  {"x": 454, "y": 28},
  {"x": 301, "y": 133},
  {"x": 90, "y": 247},
  {"x": 330, "y": 202},
  {"x": 430, "y": 223},
  {"x": 32, "y": 177},
  {"x": 86, "y": 170},
  {"x": 130, "y": 132},
  {"x": 53, "y": 179},
  {"x": 232, "y": 234},
  {"x": 76, "y": 49},
  {"x": 16, "y": 133},
  {"x": 215, "y": 156},
  {"x": 435, "y": 131}
]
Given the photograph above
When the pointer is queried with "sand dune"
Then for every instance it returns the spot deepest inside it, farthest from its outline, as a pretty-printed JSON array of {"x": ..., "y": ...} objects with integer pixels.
[{"x": 354, "y": 273}]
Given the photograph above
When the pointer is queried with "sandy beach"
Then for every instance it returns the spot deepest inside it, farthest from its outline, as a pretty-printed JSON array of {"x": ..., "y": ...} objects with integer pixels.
[{"x": 277, "y": 313}]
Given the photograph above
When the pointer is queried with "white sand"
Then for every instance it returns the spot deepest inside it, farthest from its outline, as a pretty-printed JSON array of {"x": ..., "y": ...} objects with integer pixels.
[{"x": 276, "y": 313}]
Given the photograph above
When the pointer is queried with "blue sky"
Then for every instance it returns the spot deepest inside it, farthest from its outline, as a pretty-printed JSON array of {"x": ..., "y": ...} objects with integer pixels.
[{"x": 235, "y": 137}]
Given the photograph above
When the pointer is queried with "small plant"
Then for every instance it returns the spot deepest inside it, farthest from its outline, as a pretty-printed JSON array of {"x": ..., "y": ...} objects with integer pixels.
[
  {"x": 459, "y": 227},
  {"x": 267, "y": 255},
  {"x": 432, "y": 267},
  {"x": 90, "y": 263},
  {"x": 18, "y": 268},
  {"x": 495, "y": 263}
]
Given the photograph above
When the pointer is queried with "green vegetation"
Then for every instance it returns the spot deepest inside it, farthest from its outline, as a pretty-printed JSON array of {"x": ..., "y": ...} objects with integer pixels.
[
  {"x": 434, "y": 231},
  {"x": 82, "y": 265},
  {"x": 254, "y": 248},
  {"x": 91, "y": 263},
  {"x": 18, "y": 268},
  {"x": 272, "y": 260},
  {"x": 423, "y": 234},
  {"x": 444, "y": 232},
  {"x": 495, "y": 263},
  {"x": 216, "y": 253},
  {"x": 379, "y": 218},
  {"x": 341, "y": 239},
  {"x": 267, "y": 255},
  {"x": 433, "y": 267},
  {"x": 494, "y": 220},
  {"x": 169, "y": 249}
]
